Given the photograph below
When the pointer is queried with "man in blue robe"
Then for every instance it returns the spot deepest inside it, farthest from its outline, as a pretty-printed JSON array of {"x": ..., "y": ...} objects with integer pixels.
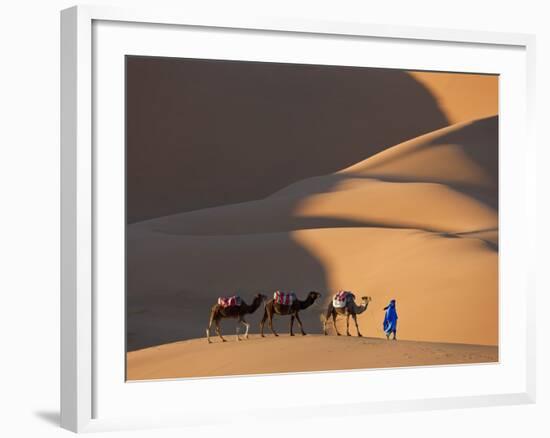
[{"x": 390, "y": 320}]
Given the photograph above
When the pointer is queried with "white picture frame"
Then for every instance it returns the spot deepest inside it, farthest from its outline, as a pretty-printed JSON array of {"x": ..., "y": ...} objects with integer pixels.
[{"x": 82, "y": 378}]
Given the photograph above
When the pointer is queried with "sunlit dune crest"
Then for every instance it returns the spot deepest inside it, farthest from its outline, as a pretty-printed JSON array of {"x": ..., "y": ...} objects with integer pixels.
[{"x": 465, "y": 153}]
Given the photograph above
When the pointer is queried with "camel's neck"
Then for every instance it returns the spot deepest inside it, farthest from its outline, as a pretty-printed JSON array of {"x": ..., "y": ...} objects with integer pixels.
[
  {"x": 254, "y": 306},
  {"x": 306, "y": 303},
  {"x": 360, "y": 309}
]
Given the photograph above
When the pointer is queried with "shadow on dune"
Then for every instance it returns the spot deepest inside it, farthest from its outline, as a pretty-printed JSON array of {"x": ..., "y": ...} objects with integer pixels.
[
  {"x": 256, "y": 127},
  {"x": 279, "y": 212},
  {"x": 173, "y": 281},
  {"x": 312, "y": 222}
]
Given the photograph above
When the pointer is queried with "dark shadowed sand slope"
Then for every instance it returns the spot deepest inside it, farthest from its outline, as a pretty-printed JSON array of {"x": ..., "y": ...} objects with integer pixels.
[{"x": 204, "y": 133}]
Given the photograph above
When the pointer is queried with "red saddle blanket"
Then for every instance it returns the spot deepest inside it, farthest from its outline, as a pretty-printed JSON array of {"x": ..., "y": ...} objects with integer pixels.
[
  {"x": 230, "y": 301},
  {"x": 342, "y": 298},
  {"x": 283, "y": 298}
]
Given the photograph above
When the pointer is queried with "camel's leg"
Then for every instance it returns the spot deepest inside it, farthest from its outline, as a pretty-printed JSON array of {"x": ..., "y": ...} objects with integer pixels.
[
  {"x": 262, "y": 322},
  {"x": 347, "y": 325},
  {"x": 354, "y": 316},
  {"x": 270, "y": 321},
  {"x": 301, "y": 326},
  {"x": 211, "y": 319},
  {"x": 247, "y": 325},
  {"x": 334, "y": 323},
  {"x": 218, "y": 330},
  {"x": 327, "y": 316},
  {"x": 291, "y": 324},
  {"x": 237, "y": 329}
]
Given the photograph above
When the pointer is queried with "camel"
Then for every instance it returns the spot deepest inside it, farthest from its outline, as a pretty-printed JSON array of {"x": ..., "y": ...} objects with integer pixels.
[
  {"x": 217, "y": 313},
  {"x": 350, "y": 309},
  {"x": 271, "y": 308}
]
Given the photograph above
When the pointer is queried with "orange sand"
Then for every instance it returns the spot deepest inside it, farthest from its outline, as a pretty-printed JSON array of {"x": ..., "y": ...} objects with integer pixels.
[{"x": 195, "y": 358}]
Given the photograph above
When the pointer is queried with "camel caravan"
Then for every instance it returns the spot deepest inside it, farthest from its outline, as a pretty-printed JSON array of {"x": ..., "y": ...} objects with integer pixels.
[{"x": 285, "y": 304}]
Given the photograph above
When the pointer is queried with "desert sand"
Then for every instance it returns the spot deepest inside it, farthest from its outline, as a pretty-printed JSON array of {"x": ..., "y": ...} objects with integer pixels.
[
  {"x": 196, "y": 358},
  {"x": 416, "y": 221}
]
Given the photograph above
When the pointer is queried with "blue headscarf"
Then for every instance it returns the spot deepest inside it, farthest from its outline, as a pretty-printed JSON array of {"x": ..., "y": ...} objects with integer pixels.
[{"x": 390, "y": 318}]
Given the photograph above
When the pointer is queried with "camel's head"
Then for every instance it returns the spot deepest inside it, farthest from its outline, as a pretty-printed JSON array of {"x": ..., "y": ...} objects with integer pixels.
[
  {"x": 261, "y": 297},
  {"x": 366, "y": 300},
  {"x": 314, "y": 295}
]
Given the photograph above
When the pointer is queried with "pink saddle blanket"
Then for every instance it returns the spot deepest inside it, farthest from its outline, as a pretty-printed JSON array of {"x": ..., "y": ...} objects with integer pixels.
[
  {"x": 342, "y": 298},
  {"x": 230, "y": 301},
  {"x": 286, "y": 299}
]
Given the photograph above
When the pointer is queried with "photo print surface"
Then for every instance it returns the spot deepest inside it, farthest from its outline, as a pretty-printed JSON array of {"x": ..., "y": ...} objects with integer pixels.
[{"x": 293, "y": 217}]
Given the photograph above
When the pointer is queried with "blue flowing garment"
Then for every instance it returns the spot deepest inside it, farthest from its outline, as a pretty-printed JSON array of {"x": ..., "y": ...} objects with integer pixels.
[{"x": 390, "y": 319}]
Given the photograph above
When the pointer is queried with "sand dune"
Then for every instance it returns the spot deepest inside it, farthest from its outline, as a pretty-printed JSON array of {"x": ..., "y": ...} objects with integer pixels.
[
  {"x": 417, "y": 222},
  {"x": 446, "y": 287},
  {"x": 461, "y": 97},
  {"x": 445, "y": 181},
  {"x": 237, "y": 121},
  {"x": 387, "y": 186},
  {"x": 254, "y": 127},
  {"x": 462, "y": 154},
  {"x": 196, "y": 358},
  {"x": 369, "y": 203}
]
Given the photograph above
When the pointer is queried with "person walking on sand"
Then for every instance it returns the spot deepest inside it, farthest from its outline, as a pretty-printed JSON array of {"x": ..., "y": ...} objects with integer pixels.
[{"x": 390, "y": 320}]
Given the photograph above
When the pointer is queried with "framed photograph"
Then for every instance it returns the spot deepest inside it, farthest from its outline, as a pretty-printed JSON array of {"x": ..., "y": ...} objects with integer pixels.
[{"x": 256, "y": 204}]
